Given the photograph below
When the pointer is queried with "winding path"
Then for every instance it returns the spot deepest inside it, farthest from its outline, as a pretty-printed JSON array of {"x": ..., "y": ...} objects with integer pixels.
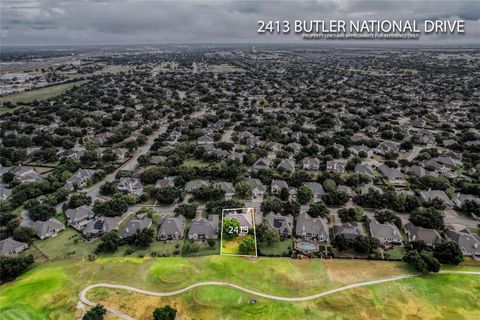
[{"x": 83, "y": 293}]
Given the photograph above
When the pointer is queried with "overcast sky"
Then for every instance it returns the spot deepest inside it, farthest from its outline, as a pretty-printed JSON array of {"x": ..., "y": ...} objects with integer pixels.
[{"x": 60, "y": 22}]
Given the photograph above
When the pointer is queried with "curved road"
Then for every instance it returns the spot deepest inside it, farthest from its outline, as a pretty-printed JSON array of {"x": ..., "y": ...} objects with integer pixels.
[{"x": 83, "y": 293}]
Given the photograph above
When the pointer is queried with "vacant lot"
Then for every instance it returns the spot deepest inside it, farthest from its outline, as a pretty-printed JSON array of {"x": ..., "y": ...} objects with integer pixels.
[
  {"x": 50, "y": 291},
  {"x": 40, "y": 94}
]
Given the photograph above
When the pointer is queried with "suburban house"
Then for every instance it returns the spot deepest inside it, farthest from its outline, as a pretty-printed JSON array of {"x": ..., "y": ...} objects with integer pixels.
[
  {"x": 164, "y": 183},
  {"x": 295, "y": 147},
  {"x": 417, "y": 171},
  {"x": 262, "y": 163},
  {"x": 4, "y": 192},
  {"x": 430, "y": 236},
  {"x": 386, "y": 147},
  {"x": 245, "y": 219},
  {"x": 101, "y": 225},
  {"x": 193, "y": 185},
  {"x": 335, "y": 166},
  {"x": 45, "y": 229},
  {"x": 459, "y": 199},
  {"x": 386, "y": 233},
  {"x": 286, "y": 165},
  {"x": 364, "y": 169},
  {"x": 469, "y": 242},
  {"x": 258, "y": 189},
  {"x": 393, "y": 175},
  {"x": 205, "y": 139},
  {"x": 277, "y": 186},
  {"x": 316, "y": 189},
  {"x": 350, "y": 230},
  {"x": 429, "y": 195},
  {"x": 10, "y": 246},
  {"x": 356, "y": 150},
  {"x": 312, "y": 228},
  {"x": 79, "y": 179},
  {"x": 283, "y": 224},
  {"x": 171, "y": 228},
  {"x": 227, "y": 187},
  {"x": 202, "y": 228},
  {"x": 79, "y": 217},
  {"x": 311, "y": 164},
  {"x": 121, "y": 153},
  {"x": 25, "y": 174},
  {"x": 130, "y": 186},
  {"x": 135, "y": 225},
  {"x": 237, "y": 156}
]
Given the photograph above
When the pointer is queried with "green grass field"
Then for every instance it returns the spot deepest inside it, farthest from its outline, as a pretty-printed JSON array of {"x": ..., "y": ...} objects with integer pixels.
[
  {"x": 40, "y": 94},
  {"x": 50, "y": 290},
  {"x": 193, "y": 163},
  {"x": 280, "y": 248}
]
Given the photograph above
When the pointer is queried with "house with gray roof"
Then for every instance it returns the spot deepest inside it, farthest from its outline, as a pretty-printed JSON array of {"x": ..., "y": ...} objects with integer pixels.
[
  {"x": 135, "y": 225},
  {"x": 45, "y": 229},
  {"x": 468, "y": 242},
  {"x": 316, "y": 189},
  {"x": 99, "y": 226},
  {"x": 205, "y": 139},
  {"x": 283, "y": 224},
  {"x": 393, "y": 175},
  {"x": 171, "y": 228},
  {"x": 227, "y": 187},
  {"x": 203, "y": 229},
  {"x": 193, "y": 185},
  {"x": 4, "y": 192},
  {"x": 237, "y": 156},
  {"x": 364, "y": 169},
  {"x": 286, "y": 165},
  {"x": 277, "y": 185},
  {"x": 164, "y": 183},
  {"x": 10, "y": 246},
  {"x": 459, "y": 199},
  {"x": 244, "y": 218},
  {"x": 79, "y": 217},
  {"x": 356, "y": 150},
  {"x": 311, "y": 164},
  {"x": 335, "y": 166},
  {"x": 427, "y": 196},
  {"x": 430, "y": 236},
  {"x": 310, "y": 228},
  {"x": 130, "y": 186},
  {"x": 386, "y": 233},
  {"x": 79, "y": 179},
  {"x": 349, "y": 230},
  {"x": 258, "y": 188},
  {"x": 25, "y": 174},
  {"x": 261, "y": 163}
]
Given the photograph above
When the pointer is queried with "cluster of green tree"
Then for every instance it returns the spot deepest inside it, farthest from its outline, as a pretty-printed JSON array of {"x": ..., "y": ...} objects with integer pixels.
[
  {"x": 208, "y": 193},
  {"x": 427, "y": 218},
  {"x": 351, "y": 214},
  {"x": 425, "y": 259},
  {"x": 318, "y": 209},
  {"x": 422, "y": 261},
  {"x": 12, "y": 267},
  {"x": 267, "y": 234},
  {"x": 361, "y": 244},
  {"x": 216, "y": 207},
  {"x": 39, "y": 211},
  {"x": 388, "y": 200},
  {"x": 384, "y": 216},
  {"x": 167, "y": 195},
  {"x": 188, "y": 210},
  {"x": 165, "y": 313},
  {"x": 276, "y": 205},
  {"x": 335, "y": 198},
  {"x": 231, "y": 229},
  {"x": 114, "y": 207},
  {"x": 247, "y": 246},
  {"x": 96, "y": 313},
  {"x": 430, "y": 182},
  {"x": 471, "y": 207}
]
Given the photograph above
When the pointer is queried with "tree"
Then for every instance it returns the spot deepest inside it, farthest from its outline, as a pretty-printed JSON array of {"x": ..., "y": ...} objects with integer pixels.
[
  {"x": 267, "y": 234},
  {"x": 208, "y": 193},
  {"x": 291, "y": 207},
  {"x": 110, "y": 242},
  {"x": 24, "y": 234},
  {"x": 247, "y": 246},
  {"x": 388, "y": 216},
  {"x": 350, "y": 214},
  {"x": 449, "y": 252},
  {"x": 471, "y": 207},
  {"x": 284, "y": 194},
  {"x": 79, "y": 199},
  {"x": 231, "y": 228},
  {"x": 144, "y": 237},
  {"x": 336, "y": 198},
  {"x": 95, "y": 313},
  {"x": 318, "y": 209},
  {"x": 423, "y": 261},
  {"x": 341, "y": 242},
  {"x": 304, "y": 195},
  {"x": 427, "y": 218},
  {"x": 365, "y": 244},
  {"x": 11, "y": 267},
  {"x": 167, "y": 195},
  {"x": 243, "y": 189},
  {"x": 188, "y": 210},
  {"x": 41, "y": 212},
  {"x": 329, "y": 185},
  {"x": 165, "y": 313},
  {"x": 271, "y": 204}
]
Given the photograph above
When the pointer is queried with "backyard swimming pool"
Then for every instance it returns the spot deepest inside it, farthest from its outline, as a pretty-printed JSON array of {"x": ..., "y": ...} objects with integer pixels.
[{"x": 303, "y": 245}]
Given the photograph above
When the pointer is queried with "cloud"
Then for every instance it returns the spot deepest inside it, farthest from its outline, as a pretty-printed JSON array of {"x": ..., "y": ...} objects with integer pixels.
[{"x": 199, "y": 21}]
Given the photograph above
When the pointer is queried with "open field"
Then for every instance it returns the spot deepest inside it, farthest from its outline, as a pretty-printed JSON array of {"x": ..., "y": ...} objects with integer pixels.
[
  {"x": 54, "y": 286},
  {"x": 40, "y": 94}
]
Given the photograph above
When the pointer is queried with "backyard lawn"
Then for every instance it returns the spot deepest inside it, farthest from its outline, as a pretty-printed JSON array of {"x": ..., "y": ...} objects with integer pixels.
[
  {"x": 193, "y": 163},
  {"x": 50, "y": 290},
  {"x": 280, "y": 248}
]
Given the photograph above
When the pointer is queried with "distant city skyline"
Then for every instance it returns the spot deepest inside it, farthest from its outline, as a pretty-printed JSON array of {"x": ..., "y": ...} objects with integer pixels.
[{"x": 129, "y": 22}]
